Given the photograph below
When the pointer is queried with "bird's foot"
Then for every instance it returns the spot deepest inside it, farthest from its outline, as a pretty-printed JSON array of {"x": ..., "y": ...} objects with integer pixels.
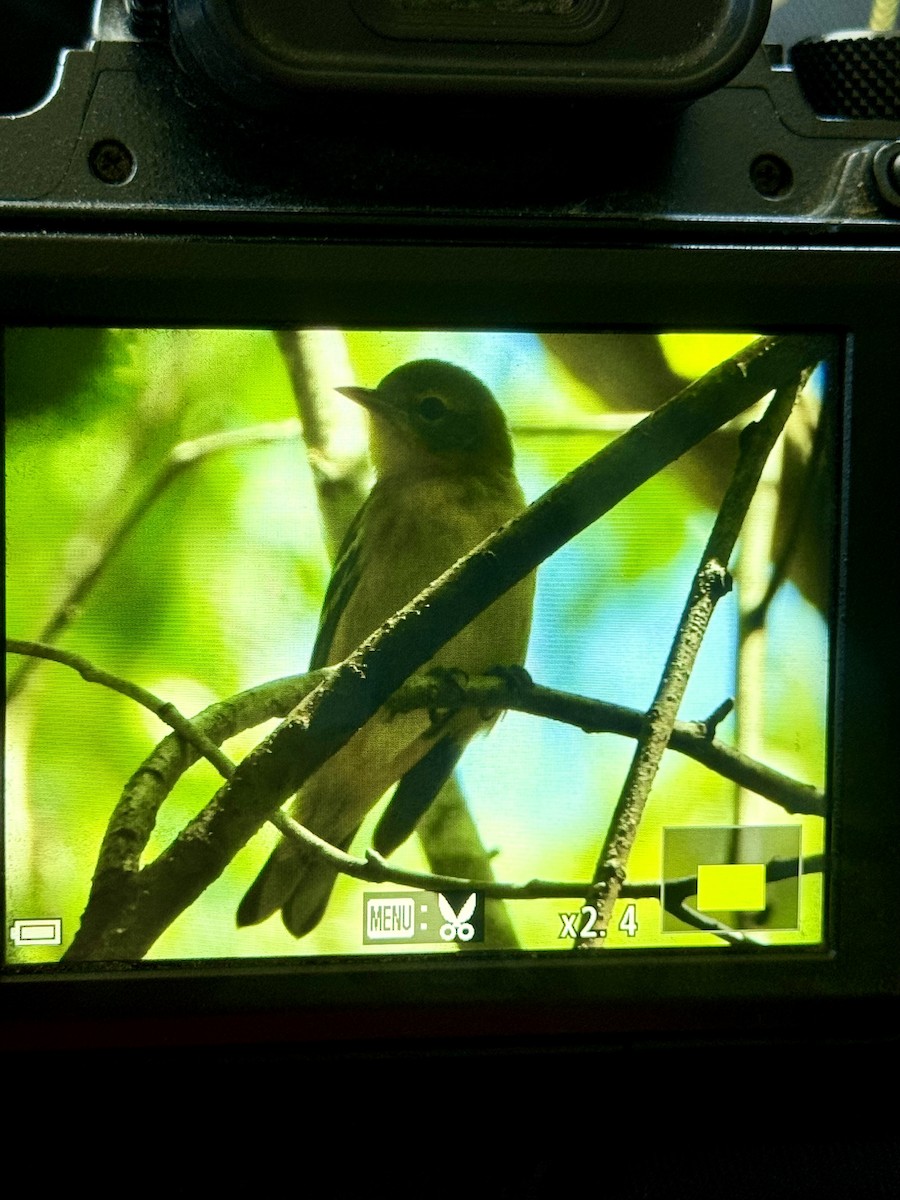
[
  {"x": 515, "y": 676},
  {"x": 517, "y": 680},
  {"x": 448, "y": 695}
]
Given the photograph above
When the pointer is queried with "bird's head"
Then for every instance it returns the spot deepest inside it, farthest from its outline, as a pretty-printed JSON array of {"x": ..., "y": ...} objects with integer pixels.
[{"x": 433, "y": 415}]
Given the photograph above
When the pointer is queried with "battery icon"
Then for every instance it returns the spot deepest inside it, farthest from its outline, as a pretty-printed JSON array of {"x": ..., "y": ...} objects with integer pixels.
[{"x": 36, "y": 931}]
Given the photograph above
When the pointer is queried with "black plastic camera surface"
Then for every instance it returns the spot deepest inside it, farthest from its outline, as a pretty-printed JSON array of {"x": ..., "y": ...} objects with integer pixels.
[{"x": 137, "y": 131}]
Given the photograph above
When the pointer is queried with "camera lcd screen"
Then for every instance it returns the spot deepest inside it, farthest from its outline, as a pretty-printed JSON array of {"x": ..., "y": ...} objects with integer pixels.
[{"x": 177, "y": 502}]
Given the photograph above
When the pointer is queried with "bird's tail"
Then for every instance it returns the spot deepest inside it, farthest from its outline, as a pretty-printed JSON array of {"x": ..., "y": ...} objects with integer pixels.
[
  {"x": 294, "y": 881},
  {"x": 305, "y": 907}
]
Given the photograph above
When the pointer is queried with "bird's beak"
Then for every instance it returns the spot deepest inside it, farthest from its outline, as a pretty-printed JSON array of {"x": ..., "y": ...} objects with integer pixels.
[
  {"x": 367, "y": 397},
  {"x": 373, "y": 402}
]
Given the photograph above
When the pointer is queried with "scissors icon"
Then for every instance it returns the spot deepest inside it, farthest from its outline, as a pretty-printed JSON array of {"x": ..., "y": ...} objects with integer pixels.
[{"x": 457, "y": 925}]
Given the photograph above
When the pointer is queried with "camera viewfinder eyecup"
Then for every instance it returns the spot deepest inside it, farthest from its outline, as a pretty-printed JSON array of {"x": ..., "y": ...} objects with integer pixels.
[{"x": 270, "y": 53}]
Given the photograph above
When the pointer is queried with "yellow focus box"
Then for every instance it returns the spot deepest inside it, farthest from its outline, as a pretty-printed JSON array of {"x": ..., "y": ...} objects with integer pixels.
[{"x": 732, "y": 887}]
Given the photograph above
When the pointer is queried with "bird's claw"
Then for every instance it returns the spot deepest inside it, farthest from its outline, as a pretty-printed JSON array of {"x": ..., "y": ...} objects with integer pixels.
[
  {"x": 517, "y": 680},
  {"x": 448, "y": 695}
]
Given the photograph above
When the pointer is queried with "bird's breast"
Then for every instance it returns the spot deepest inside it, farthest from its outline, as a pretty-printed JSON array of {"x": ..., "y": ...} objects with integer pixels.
[{"x": 413, "y": 530}]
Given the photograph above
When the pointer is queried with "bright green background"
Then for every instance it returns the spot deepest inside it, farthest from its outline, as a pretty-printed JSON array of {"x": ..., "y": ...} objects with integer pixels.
[{"x": 219, "y": 589}]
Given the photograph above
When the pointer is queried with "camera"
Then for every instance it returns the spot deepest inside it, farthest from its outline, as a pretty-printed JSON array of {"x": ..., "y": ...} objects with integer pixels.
[{"x": 669, "y": 252}]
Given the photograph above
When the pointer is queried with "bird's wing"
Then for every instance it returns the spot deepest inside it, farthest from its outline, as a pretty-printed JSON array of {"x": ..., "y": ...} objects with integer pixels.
[
  {"x": 414, "y": 794},
  {"x": 341, "y": 586}
]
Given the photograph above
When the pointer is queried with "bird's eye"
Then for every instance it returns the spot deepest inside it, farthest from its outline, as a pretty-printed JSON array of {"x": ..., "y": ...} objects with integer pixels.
[{"x": 432, "y": 408}]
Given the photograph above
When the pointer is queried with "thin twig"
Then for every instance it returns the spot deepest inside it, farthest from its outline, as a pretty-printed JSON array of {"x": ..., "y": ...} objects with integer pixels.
[
  {"x": 184, "y": 455},
  {"x": 164, "y": 709},
  {"x": 711, "y": 582},
  {"x": 374, "y": 868}
]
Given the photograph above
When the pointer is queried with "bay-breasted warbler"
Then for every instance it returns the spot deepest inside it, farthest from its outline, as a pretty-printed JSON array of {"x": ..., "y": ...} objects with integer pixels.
[{"x": 444, "y": 464}]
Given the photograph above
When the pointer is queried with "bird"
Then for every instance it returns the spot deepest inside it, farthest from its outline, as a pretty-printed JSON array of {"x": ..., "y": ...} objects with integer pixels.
[{"x": 444, "y": 480}]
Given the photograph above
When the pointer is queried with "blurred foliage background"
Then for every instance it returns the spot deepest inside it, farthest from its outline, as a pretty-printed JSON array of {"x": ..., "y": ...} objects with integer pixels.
[{"x": 218, "y": 588}]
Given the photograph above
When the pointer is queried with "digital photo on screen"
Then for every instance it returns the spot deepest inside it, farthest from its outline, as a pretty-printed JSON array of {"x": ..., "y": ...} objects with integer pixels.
[{"x": 623, "y": 747}]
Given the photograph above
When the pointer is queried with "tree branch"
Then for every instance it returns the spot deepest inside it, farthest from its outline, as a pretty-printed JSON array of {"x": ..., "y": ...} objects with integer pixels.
[
  {"x": 164, "y": 709},
  {"x": 221, "y": 721},
  {"x": 333, "y": 427},
  {"x": 200, "y": 737},
  {"x": 374, "y": 868},
  {"x": 694, "y": 739},
  {"x": 711, "y": 582}
]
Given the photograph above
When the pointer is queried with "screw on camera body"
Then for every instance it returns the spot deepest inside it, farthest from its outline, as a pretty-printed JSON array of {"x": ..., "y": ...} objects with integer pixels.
[
  {"x": 771, "y": 175},
  {"x": 111, "y": 161},
  {"x": 886, "y": 170}
]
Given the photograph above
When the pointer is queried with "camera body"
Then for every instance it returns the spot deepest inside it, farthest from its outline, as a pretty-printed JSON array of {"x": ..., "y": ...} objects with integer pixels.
[
  {"x": 165, "y": 183},
  {"x": 137, "y": 131}
]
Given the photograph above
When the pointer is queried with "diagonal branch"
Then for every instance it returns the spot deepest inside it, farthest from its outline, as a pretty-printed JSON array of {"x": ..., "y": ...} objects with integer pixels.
[{"x": 711, "y": 582}]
